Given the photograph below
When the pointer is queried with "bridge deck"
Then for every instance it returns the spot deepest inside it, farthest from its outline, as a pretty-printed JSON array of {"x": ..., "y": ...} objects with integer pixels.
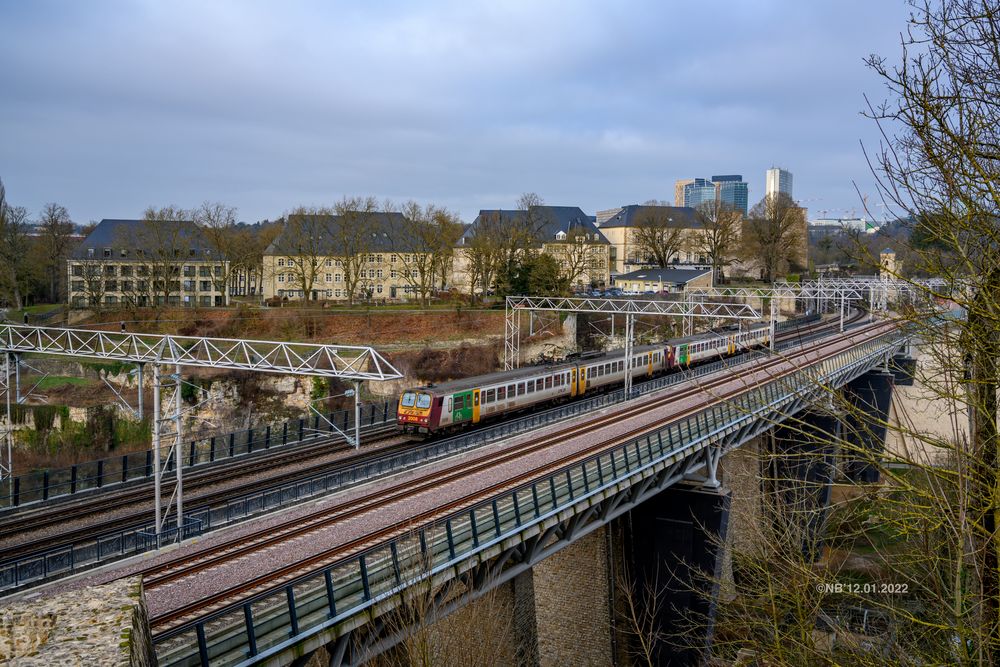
[{"x": 486, "y": 536}]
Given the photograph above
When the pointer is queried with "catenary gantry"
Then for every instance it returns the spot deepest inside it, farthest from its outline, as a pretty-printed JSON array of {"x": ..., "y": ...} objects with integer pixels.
[{"x": 167, "y": 354}]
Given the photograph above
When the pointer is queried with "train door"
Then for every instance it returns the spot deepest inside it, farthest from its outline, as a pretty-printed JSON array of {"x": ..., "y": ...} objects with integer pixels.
[
  {"x": 649, "y": 364},
  {"x": 475, "y": 406},
  {"x": 572, "y": 383},
  {"x": 462, "y": 407},
  {"x": 668, "y": 359},
  {"x": 582, "y": 387}
]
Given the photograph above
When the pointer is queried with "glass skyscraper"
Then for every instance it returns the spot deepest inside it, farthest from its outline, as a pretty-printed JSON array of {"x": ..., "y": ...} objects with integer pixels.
[
  {"x": 733, "y": 191},
  {"x": 698, "y": 192}
]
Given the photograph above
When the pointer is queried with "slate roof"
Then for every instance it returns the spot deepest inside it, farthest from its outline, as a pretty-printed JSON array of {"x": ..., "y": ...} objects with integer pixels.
[
  {"x": 387, "y": 233},
  {"x": 676, "y": 276},
  {"x": 132, "y": 235},
  {"x": 551, "y": 221},
  {"x": 634, "y": 214}
]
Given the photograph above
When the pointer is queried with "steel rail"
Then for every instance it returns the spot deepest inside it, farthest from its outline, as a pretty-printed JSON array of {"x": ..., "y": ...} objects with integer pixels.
[{"x": 331, "y": 515}]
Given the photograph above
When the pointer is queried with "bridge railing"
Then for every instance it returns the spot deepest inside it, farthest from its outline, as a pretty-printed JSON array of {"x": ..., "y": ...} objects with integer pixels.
[
  {"x": 42, "y": 485},
  {"x": 99, "y": 549},
  {"x": 271, "y": 622}
]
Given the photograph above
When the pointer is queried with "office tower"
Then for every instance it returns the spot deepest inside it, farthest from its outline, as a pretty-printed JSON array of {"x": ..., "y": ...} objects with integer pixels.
[
  {"x": 679, "y": 185},
  {"x": 733, "y": 191},
  {"x": 778, "y": 180},
  {"x": 699, "y": 191}
]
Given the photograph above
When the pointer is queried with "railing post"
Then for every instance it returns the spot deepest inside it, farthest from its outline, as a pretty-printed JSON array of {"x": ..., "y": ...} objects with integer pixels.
[
  {"x": 293, "y": 616},
  {"x": 331, "y": 600},
  {"x": 124, "y": 468},
  {"x": 232, "y": 445},
  {"x": 249, "y": 440},
  {"x": 496, "y": 517},
  {"x": 451, "y": 538},
  {"x": 364, "y": 578},
  {"x": 284, "y": 433},
  {"x": 191, "y": 454},
  {"x": 251, "y": 633},
  {"x": 202, "y": 644},
  {"x": 149, "y": 463},
  {"x": 267, "y": 437},
  {"x": 16, "y": 500},
  {"x": 100, "y": 473},
  {"x": 72, "y": 479},
  {"x": 302, "y": 426},
  {"x": 472, "y": 527},
  {"x": 211, "y": 448}
]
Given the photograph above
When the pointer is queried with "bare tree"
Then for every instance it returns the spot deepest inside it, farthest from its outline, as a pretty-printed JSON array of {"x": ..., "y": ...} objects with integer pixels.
[
  {"x": 305, "y": 243},
  {"x": 161, "y": 246},
  {"x": 578, "y": 256},
  {"x": 655, "y": 236},
  {"x": 218, "y": 224},
  {"x": 774, "y": 236},
  {"x": 13, "y": 248},
  {"x": 719, "y": 236},
  {"x": 424, "y": 244},
  {"x": 56, "y": 239},
  {"x": 351, "y": 234}
]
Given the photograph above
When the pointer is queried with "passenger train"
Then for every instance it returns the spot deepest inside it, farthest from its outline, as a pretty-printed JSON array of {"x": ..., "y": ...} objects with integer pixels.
[{"x": 462, "y": 403}]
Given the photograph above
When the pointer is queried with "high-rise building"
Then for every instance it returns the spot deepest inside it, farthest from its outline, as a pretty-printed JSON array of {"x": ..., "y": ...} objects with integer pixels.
[
  {"x": 699, "y": 191},
  {"x": 778, "y": 180},
  {"x": 733, "y": 191},
  {"x": 679, "y": 185}
]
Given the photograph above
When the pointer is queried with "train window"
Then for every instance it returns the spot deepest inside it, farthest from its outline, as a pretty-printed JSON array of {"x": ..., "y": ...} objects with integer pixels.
[
  {"x": 511, "y": 391},
  {"x": 501, "y": 393},
  {"x": 548, "y": 382},
  {"x": 558, "y": 380},
  {"x": 490, "y": 396},
  {"x": 459, "y": 402},
  {"x": 531, "y": 386},
  {"x": 424, "y": 401},
  {"x": 520, "y": 389},
  {"x": 409, "y": 398},
  {"x": 475, "y": 398}
]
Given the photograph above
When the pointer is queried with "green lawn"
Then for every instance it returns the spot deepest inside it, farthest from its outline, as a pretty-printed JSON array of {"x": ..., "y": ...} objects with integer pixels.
[
  {"x": 42, "y": 308},
  {"x": 54, "y": 381}
]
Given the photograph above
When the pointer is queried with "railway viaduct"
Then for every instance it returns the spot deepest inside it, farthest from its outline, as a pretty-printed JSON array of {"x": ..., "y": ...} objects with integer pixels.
[{"x": 534, "y": 573}]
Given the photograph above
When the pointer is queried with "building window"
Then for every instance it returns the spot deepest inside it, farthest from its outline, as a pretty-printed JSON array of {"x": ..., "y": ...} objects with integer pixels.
[
  {"x": 329, "y": 277},
  {"x": 107, "y": 252},
  {"x": 111, "y": 300},
  {"x": 189, "y": 271},
  {"x": 281, "y": 261},
  {"x": 205, "y": 271},
  {"x": 378, "y": 273},
  {"x": 188, "y": 285},
  {"x": 124, "y": 252},
  {"x": 110, "y": 270},
  {"x": 111, "y": 285},
  {"x": 77, "y": 270},
  {"x": 329, "y": 293},
  {"x": 77, "y": 285},
  {"x": 378, "y": 288},
  {"x": 126, "y": 271},
  {"x": 126, "y": 285},
  {"x": 329, "y": 263},
  {"x": 337, "y": 277},
  {"x": 206, "y": 286},
  {"x": 90, "y": 252},
  {"x": 281, "y": 277},
  {"x": 337, "y": 292}
]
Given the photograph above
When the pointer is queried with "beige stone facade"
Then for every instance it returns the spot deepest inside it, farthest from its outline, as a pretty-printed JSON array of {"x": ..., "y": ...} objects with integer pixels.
[{"x": 381, "y": 275}]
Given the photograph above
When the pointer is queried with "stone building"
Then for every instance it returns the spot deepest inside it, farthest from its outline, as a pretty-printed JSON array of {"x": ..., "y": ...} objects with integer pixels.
[
  {"x": 563, "y": 232},
  {"x": 627, "y": 254},
  {"x": 145, "y": 263},
  {"x": 350, "y": 256}
]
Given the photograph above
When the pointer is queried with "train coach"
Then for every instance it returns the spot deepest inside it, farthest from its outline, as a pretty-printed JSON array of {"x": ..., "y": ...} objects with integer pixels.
[{"x": 462, "y": 403}]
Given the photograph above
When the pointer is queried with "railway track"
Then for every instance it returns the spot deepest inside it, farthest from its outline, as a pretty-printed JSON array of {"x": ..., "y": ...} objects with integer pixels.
[
  {"x": 44, "y": 518},
  {"x": 175, "y": 570}
]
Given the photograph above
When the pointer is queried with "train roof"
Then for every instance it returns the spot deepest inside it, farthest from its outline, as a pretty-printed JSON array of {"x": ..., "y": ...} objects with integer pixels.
[{"x": 463, "y": 384}]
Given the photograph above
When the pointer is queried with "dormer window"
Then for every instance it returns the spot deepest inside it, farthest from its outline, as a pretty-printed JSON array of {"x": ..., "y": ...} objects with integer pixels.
[
  {"x": 90, "y": 252},
  {"x": 560, "y": 236},
  {"x": 107, "y": 252}
]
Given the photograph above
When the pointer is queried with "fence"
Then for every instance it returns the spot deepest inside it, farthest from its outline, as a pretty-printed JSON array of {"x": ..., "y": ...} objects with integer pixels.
[{"x": 42, "y": 485}]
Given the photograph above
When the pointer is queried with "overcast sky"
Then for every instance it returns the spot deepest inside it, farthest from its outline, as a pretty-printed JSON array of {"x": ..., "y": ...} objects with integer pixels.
[{"x": 109, "y": 107}]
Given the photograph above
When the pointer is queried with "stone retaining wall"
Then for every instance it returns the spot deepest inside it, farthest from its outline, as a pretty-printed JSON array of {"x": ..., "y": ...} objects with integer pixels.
[{"x": 102, "y": 625}]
